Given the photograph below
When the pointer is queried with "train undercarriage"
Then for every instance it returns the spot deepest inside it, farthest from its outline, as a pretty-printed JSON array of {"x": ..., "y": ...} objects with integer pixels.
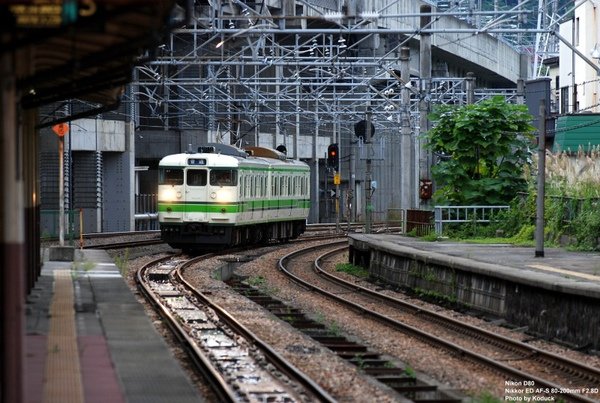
[{"x": 201, "y": 236}]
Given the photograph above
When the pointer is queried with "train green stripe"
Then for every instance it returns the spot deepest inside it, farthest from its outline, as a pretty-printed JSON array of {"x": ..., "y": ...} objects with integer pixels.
[{"x": 239, "y": 207}]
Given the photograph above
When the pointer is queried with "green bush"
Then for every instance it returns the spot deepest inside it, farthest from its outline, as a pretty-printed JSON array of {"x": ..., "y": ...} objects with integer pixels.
[{"x": 586, "y": 226}]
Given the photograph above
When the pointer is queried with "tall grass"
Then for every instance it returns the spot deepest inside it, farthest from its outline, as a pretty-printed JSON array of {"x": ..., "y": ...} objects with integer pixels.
[
  {"x": 574, "y": 175},
  {"x": 572, "y": 205}
]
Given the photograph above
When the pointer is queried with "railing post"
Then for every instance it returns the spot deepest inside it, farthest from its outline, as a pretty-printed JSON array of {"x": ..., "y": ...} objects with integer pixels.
[
  {"x": 437, "y": 216},
  {"x": 80, "y": 228}
]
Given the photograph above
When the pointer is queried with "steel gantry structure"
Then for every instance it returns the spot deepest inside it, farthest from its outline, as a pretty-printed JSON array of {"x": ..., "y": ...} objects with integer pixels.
[
  {"x": 238, "y": 61},
  {"x": 302, "y": 73}
]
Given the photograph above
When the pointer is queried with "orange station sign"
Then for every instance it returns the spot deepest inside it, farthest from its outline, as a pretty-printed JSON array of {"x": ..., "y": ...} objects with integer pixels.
[{"x": 61, "y": 129}]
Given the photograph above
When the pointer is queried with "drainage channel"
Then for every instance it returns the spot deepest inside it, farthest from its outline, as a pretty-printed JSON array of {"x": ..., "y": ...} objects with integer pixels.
[{"x": 403, "y": 380}]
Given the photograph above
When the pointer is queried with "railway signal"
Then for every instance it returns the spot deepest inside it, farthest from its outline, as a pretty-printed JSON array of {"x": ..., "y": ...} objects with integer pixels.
[{"x": 333, "y": 157}]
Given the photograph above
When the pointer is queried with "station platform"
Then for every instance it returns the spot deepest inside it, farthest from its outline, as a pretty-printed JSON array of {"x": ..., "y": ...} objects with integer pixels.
[
  {"x": 557, "y": 268},
  {"x": 89, "y": 340},
  {"x": 556, "y": 296}
]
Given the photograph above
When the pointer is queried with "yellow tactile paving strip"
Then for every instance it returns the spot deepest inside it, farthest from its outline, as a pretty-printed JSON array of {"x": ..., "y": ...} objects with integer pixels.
[
  {"x": 567, "y": 272},
  {"x": 62, "y": 378}
]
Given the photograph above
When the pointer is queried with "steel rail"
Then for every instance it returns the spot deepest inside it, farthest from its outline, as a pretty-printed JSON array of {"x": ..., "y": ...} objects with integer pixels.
[
  {"x": 223, "y": 388},
  {"x": 274, "y": 357},
  {"x": 125, "y": 244},
  {"x": 218, "y": 384}
]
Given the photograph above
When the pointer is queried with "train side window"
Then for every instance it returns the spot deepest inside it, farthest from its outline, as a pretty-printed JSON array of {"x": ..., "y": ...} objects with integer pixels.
[
  {"x": 223, "y": 177},
  {"x": 196, "y": 177},
  {"x": 170, "y": 176}
]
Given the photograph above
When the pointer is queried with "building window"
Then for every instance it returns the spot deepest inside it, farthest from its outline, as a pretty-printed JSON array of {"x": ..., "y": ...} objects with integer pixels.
[{"x": 564, "y": 100}]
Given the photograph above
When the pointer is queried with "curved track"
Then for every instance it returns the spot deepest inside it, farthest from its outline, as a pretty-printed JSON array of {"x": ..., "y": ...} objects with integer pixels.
[
  {"x": 239, "y": 366},
  {"x": 549, "y": 374}
]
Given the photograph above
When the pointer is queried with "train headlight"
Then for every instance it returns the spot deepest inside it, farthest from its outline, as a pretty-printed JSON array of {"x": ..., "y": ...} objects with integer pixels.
[
  {"x": 168, "y": 194},
  {"x": 224, "y": 195}
]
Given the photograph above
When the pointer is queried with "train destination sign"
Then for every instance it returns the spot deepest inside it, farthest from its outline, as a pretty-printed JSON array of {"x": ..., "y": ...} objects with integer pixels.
[{"x": 197, "y": 161}]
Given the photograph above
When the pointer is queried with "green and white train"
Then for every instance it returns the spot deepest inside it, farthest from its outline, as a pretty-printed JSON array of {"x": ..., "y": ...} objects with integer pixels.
[{"x": 225, "y": 196}]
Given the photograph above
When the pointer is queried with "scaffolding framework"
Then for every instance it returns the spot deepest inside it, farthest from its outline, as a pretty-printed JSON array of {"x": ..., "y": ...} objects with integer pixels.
[{"x": 245, "y": 68}]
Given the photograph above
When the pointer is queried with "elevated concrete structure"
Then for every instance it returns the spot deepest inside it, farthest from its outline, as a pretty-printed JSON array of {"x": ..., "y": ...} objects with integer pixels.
[{"x": 99, "y": 177}]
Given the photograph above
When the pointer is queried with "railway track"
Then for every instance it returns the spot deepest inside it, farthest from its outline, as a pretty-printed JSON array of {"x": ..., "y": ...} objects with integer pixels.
[
  {"x": 238, "y": 365},
  {"x": 372, "y": 363},
  {"x": 118, "y": 240},
  {"x": 125, "y": 244},
  {"x": 147, "y": 238},
  {"x": 545, "y": 373}
]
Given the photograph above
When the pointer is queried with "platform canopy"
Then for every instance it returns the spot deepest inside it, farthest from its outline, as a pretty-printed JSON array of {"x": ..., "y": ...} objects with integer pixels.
[{"x": 82, "y": 49}]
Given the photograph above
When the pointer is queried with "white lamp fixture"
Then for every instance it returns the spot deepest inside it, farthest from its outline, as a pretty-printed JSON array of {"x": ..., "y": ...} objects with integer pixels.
[{"x": 595, "y": 53}]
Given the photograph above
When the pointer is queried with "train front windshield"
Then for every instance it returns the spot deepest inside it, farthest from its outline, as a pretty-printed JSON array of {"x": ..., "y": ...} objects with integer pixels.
[
  {"x": 170, "y": 176},
  {"x": 196, "y": 177}
]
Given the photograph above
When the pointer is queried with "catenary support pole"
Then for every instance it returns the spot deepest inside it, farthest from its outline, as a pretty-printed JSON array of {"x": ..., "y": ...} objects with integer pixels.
[
  {"x": 425, "y": 72},
  {"x": 368, "y": 189},
  {"x": 407, "y": 168},
  {"x": 541, "y": 185}
]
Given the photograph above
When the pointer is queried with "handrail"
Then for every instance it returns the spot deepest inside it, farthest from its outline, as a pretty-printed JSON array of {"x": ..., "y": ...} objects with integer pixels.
[{"x": 462, "y": 214}]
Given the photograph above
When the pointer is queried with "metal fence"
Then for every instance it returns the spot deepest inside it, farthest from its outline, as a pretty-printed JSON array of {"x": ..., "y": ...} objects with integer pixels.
[
  {"x": 464, "y": 214},
  {"x": 395, "y": 218},
  {"x": 146, "y": 212},
  {"x": 419, "y": 222},
  {"x": 50, "y": 224}
]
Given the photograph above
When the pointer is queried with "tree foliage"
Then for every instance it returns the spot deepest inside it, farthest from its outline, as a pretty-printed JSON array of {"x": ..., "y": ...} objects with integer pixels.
[{"x": 483, "y": 148}]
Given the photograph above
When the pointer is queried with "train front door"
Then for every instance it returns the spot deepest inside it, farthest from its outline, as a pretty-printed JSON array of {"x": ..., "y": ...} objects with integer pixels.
[{"x": 196, "y": 195}]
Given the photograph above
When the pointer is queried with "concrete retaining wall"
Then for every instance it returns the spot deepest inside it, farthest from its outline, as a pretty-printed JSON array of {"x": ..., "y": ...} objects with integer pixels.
[{"x": 547, "y": 310}]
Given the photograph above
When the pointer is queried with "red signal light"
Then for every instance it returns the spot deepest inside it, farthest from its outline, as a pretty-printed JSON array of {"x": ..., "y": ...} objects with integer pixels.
[{"x": 333, "y": 160}]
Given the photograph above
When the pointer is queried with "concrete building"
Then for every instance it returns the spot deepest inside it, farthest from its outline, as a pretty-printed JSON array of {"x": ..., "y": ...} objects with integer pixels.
[{"x": 579, "y": 68}]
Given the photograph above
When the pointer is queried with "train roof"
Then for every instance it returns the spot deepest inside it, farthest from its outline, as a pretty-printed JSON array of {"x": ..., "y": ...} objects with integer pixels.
[
  {"x": 224, "y": 149},
  {"x": 184, "y": 159},
  {"x": 214, "y": 154},
  {"x": 265, "y": 152}
]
